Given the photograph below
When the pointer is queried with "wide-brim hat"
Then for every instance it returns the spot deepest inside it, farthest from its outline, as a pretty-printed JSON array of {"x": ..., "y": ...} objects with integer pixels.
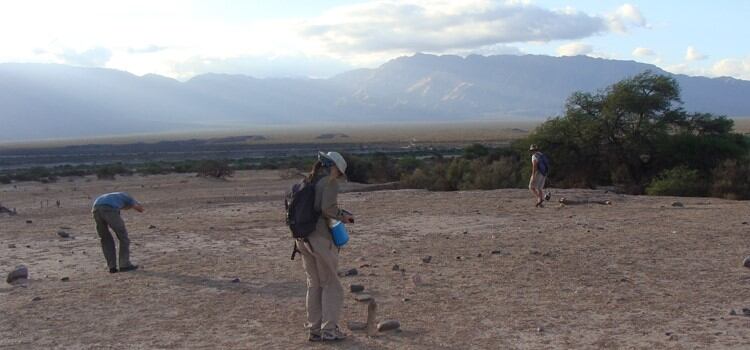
[{"x": 336, "y": 158}]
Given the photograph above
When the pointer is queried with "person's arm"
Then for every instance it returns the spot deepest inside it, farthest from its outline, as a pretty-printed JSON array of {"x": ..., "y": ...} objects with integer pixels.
[
  {"x": 138, "y": 207},
  {"x": 329, "y": 207},
  {"x": 534, "y": 162}
]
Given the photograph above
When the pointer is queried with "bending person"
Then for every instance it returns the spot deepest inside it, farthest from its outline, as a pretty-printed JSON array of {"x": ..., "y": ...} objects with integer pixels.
[{"x": 106, "y": 213}]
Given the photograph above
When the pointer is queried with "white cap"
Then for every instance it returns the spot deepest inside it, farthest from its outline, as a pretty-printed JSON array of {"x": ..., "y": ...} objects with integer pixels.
[{"x": 336, "y": 158}]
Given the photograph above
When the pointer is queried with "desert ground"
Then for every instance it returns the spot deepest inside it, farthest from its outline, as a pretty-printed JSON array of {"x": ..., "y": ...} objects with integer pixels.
[{"x": 640, "y": 273}]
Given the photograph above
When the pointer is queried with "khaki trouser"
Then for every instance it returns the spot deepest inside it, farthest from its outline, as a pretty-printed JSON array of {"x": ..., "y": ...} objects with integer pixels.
[
  {"x": 106, "y": 217},
  {"x": 325, "y": 296}
]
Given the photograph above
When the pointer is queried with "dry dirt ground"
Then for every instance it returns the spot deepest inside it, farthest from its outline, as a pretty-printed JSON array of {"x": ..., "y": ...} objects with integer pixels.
[{"x": 639, "y": 273}]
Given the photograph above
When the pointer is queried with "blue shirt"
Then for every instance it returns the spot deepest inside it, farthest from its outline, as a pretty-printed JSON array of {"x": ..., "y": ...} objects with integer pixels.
[{"x": 117, "y": 200}]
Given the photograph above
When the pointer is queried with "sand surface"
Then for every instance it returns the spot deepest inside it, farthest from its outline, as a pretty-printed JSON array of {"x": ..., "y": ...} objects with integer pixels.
[{"x": 639, "y": 273}]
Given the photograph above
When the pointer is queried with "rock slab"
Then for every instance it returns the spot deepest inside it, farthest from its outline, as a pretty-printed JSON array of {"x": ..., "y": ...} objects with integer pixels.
[
  {"x": 388, "y": 325},
  {"x": 21, "y": 272},
  {"x": 363, "y": 297}
]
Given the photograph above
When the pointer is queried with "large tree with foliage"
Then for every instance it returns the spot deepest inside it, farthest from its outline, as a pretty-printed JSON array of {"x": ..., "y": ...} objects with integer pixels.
[{"x": 631, "y": 132}]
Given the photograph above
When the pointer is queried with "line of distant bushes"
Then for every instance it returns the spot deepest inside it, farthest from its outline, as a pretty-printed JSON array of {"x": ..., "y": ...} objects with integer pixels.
[{"x": 633, "y": 135}]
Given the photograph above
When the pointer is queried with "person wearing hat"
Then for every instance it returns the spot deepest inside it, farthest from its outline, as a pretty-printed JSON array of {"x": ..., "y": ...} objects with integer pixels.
[
  {"x": 106, "y": 212},
  {"x": 325, "y": 295},
  {"x": 538, "y": 174}
]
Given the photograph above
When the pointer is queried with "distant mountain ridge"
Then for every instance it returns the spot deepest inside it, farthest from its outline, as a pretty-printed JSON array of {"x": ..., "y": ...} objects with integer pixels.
[{"x": 39, "y": 101}]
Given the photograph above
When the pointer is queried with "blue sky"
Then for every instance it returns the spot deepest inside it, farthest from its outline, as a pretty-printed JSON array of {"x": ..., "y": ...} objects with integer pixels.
[{"x": 183, "y": 38}]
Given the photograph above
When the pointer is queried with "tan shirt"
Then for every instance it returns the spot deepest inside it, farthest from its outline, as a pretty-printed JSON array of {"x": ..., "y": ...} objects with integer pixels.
[{"x": 326, "y": 201}]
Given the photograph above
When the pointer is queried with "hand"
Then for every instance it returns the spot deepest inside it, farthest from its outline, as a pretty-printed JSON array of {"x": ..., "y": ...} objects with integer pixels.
[
  {"x": 348, "y": 218},
  {"x": 139, "y": 208}
]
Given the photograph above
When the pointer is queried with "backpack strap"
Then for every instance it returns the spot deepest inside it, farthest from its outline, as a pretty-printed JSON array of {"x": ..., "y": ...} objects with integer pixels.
[{"x": 295, "y": 250}]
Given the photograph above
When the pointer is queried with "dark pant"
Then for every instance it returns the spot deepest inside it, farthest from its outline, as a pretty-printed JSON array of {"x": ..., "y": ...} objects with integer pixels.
[{"x": 106, "y": 217}]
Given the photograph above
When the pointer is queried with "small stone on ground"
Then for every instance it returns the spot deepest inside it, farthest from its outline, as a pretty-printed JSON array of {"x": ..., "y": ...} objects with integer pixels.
[
  {"x": 19, "y": 273},
  {"x": 388, "y": 325}
]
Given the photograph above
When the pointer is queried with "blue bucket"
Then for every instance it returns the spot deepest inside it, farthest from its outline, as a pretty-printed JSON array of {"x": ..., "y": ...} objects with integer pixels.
[{"x": 339, "y": 233}]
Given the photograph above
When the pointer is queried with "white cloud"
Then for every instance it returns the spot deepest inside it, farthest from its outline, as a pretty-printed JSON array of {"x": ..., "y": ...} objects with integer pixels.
[
  {"x": 642, "y": 52},
  {"x": 732, "y": 67},
  {"x": 441, "y": 25},
  {"x": 94, "y": 57},
  {"x": 175, "y": 38},
  {"x": 625, "y": 16},
  {"x": 691, "y": 54},
  {"x": 574, "y": 49}
]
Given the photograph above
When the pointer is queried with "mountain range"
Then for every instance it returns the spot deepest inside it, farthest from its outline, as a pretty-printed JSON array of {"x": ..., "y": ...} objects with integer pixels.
[{"x": 43, "y": 101}]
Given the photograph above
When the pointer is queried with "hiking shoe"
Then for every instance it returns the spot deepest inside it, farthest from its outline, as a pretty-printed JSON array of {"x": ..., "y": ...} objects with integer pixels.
[
  {"x": 314, "y": 337},
  {"x": 332, "y": 335},
  {"x": 129, "y": 268},
  {"x": 113, "y": 270},
  {"x": 547, "y": 196}
]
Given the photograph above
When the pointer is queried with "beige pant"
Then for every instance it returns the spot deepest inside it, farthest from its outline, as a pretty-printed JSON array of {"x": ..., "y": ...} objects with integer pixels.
[
  {"x": 325, "y": 296},
  {"x": 537, "y": 182}
]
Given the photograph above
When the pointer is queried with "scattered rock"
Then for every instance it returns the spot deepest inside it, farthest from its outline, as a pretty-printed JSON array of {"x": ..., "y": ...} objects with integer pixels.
[
  {"x": 356, "y": 326},
  {"x": 466, "y": 232},
  {"x": 479, "y": 255},
  {"x": 540, "y": 329},
  {"x": 236, "y": 280},
  {"x": 459, "y": 257},
  {"x": 11, "y": 246},
  {"x": 350, "y": 272},
  {"x": 151, "y": 227},
  {"x": 63, "y": 234},
  {"x": 732, "y": 313},
  {"x": 405, "y": 299},
  {"x": 36, "y": 299},
  {"x": 496, "y": 252},
  {"x": 677, "y": 204},
  {"x": 746, "y": 262},
  {"x": 673, "y": 337},
  {"x": 427, "y": 259},
  {"x": 416, "y": 279},
  {"x": 394, "y": 251},
  {"x": 388, "y": 325},
  {"x": 356, "y": 288},
  {"x": 65, "y": 279},
  {"x": 744, "y": 222},
  {"x": 365, "y": 265},
  {"x": 395, "y": 267},
  {"x": 29, "y": 221},
  {"x": 363, "y": 297},
  {"x": 746, "y": 311},
  {"x": 19, "y": 273}
]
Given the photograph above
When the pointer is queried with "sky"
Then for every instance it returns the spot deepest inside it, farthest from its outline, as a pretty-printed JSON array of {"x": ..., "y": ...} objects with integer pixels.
[{"x": 318, "y": 39}]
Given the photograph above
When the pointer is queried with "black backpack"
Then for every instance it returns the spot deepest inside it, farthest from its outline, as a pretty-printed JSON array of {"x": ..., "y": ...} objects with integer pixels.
[
  {"x": 543, "y": 164},
  {"x": 301, "y": 216}
]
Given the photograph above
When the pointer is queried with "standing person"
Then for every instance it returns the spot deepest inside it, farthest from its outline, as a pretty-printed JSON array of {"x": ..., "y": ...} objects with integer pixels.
[
  {"x": 539, "y": 169},
  {"x": 106, "y": 213},
  {"x": 320, "y": 256}
]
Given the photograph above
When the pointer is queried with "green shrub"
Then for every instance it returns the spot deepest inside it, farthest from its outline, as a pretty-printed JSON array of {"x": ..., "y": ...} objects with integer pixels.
[
  {"x": 214, "y": 168},
  {"x": 475, "y": 151},
  {"x": 679, "y": 181},
  {"x": 731, "y": 180},
  {"x": 108, "y": 172}
]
